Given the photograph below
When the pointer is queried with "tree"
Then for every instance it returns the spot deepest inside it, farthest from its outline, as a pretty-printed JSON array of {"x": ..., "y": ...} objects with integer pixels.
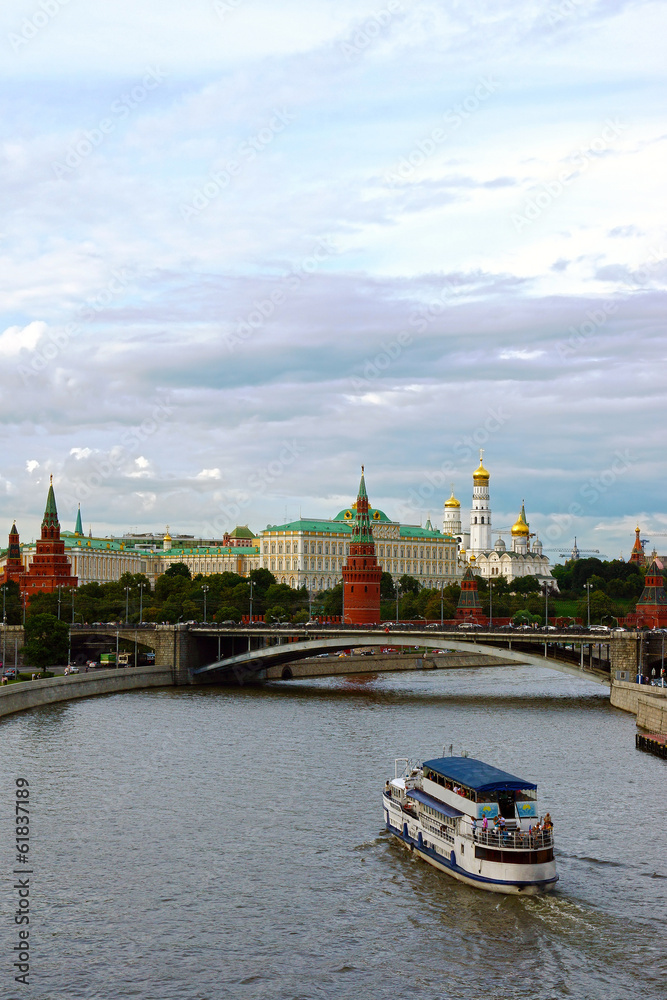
[
  {"x": 387, "y": 589},
  {"x": 408, "y": 584},
  {"x": 178, "y": 569},
  {"x": 333, "y": 600},
  {"x": 46, "y": 640},
  {"x": 12, "y": 603}
]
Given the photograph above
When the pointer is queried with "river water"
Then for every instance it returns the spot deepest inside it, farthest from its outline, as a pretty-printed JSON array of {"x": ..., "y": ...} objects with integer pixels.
[{"x": 215, "y": 842}]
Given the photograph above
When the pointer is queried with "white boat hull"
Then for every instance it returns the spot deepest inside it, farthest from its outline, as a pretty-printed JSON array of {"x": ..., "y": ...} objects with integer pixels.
[{"x": 525, "y": 880}]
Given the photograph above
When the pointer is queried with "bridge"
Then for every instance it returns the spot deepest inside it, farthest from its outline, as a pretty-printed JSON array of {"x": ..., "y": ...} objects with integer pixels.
[{"x": 209, "y": 653}]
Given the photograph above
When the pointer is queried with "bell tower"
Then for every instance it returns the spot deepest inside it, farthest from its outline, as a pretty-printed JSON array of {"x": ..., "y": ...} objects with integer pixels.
[
  {"x": 480, "y": 513},
  {"x": 361, "y": 573}
]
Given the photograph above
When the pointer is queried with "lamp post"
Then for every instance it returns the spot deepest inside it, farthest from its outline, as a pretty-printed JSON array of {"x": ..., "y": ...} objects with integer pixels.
[
  {"x": 490, "y": 604},
  {"x": 127, "y": 604},
  {"x": 4, "y": 621},
  {"x": 252, "y": 584},
  {"x": 398, "y": 592},
  {"x": 442, "y": 609},
  {"x": 58, "y": 589},
  {"x": 588, "y": 603},
  {"x": 205, "y": 590},
  {"x": 546, "y": 603},
  {"x": 142, "y": 587}
]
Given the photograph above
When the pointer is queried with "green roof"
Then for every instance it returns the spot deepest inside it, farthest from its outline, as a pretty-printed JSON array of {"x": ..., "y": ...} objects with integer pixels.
[
  {"x": 374, "y": 514},
  {"x": 322, "y": 526},
  {"x": 242, "y": 531}
]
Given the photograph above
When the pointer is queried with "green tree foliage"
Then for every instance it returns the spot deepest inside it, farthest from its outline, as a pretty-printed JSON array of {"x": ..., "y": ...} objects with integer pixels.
[
  {"x": 46, "y": 641},
  {"x": 408, "y": 584},
  {"x": 332, "y": 603},
  {"x": 13, "y": 607},
  {"x": 387, "y": 589},
  {"x": 178, "y": 569}
]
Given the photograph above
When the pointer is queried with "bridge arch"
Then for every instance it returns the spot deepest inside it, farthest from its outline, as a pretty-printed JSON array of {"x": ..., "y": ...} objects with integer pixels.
[{"x": 248, "y": 666}]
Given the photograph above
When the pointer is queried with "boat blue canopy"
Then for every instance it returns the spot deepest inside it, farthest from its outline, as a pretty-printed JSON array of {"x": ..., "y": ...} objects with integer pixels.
[
  {"x": 428, "y": 800},
  {"x": 477, "y": 775}
]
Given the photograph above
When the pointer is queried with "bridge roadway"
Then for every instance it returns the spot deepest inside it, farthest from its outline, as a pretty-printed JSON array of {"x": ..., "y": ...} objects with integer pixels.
[{"x": 211, "y": 653}]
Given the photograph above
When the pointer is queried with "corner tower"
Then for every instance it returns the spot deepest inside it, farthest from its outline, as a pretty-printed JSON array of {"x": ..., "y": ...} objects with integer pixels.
[
  {"x": 480, "y": 514},
  {"x": 50, "y": 567},
  {"x": 361, "y": 573}
]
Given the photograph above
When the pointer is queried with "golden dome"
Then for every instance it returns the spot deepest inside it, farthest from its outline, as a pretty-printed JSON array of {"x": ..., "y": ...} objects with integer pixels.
[
  {"x": 480, "y": 475},
  {"x": 520, "y": 527},
  {"x": 167, "y": 536},
  {"x": 452, "y": 502}
]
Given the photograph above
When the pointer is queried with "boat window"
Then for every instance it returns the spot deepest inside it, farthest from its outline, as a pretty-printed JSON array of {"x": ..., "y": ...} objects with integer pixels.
[{"x": 527, "y": 795}]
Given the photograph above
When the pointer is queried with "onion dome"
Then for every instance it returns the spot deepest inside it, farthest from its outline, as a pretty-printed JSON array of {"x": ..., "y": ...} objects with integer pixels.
[
  {"x": 452, "y": 502},
  {"x": 167, "y": 536},
  {"x": 520, "y": 527},
  {"x": 480, "y": 476}
]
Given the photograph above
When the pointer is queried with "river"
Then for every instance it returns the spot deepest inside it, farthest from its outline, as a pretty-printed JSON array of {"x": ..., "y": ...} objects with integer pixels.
[{"x": 213, "y": 842}]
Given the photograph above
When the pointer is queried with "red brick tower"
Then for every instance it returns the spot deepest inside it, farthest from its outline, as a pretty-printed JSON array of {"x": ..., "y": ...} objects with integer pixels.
[
  {"x": 13, "y": 565},
  {"x": 637, "y": 554},
  {"x": 50, "y": 567},
  {"x": 652, "y": 605},
  {"x": 361, "y": 573},
  {"x": 469, "y": 607}
]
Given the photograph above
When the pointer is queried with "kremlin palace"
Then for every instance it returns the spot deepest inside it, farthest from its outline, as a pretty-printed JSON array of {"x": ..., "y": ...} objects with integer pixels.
[{"x": 309, "y": 552}]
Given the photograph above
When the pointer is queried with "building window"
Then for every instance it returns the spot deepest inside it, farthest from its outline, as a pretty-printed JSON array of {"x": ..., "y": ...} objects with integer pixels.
[
  {"x": 273, "y": 548},
  {"x": 319, "y": 548},
  {"x": 280, "y": 547}
]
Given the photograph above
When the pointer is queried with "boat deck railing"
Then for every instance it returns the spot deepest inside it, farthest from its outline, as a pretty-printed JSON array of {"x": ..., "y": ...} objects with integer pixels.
[{"x": 517, "y": 840}]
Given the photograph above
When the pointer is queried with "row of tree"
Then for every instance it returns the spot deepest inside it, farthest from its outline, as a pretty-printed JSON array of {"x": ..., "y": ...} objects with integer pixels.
[{"x": 178, "y": 597}]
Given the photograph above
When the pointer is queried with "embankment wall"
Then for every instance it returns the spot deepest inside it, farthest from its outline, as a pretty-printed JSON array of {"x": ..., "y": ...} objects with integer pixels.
[
  {"x": 326, "y": 667},
  {"x": 33, "y": 694}
]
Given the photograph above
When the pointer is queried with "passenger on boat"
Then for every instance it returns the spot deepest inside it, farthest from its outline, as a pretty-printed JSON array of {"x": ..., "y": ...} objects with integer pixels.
[{"x": 474, "y": 828}]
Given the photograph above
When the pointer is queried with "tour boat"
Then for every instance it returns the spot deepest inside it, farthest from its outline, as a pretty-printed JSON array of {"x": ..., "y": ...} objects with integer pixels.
[{"x": 473, "y": 821}]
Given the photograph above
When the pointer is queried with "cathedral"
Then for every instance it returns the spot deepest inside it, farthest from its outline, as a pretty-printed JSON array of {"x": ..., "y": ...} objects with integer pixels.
[{"x": 480, "y": 553}]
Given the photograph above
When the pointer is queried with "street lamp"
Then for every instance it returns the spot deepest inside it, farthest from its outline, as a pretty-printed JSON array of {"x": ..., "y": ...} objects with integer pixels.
[
  {"x": 490, "y": 604},
  {"x": 4, "y": 621},
  {"x": 58, "y": 589},
  {"x": 142, "y": 587},
  {"x": 442, "y": 609},
  {"x": 398, "y": 592},
  {"x": 588, "y": 587},
  {"x": 252, "y": 584},
  {"x": 127, "y": 604},
  {"x": 205, "y": 590},
  {"x": 546, "y": 603}
]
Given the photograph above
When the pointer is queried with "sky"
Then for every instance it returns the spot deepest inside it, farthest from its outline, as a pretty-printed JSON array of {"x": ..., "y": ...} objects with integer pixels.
[{"x": 246, "y": 248}]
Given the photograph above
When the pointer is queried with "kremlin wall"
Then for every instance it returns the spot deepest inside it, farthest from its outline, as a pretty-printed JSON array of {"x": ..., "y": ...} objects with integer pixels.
[{"x": 314, "y": 553}]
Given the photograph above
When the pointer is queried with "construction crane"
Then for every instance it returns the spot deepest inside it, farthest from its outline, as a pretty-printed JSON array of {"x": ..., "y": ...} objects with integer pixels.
[{"x": 577, "y": 552}]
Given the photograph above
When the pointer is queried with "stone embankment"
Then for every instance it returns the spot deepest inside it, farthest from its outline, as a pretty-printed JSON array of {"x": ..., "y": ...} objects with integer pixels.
[
  {"x": 321, "y": 666},
  {"x": 33, "y": 694},
  {"x": 648, "y": 704}
]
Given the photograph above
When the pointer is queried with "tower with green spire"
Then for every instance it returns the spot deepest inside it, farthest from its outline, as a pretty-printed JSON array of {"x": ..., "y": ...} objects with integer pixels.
[
  {"x": 50, "y": 568},
  {"x": 361, "y": 573},
  {"x": 78, "y": 527}
]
